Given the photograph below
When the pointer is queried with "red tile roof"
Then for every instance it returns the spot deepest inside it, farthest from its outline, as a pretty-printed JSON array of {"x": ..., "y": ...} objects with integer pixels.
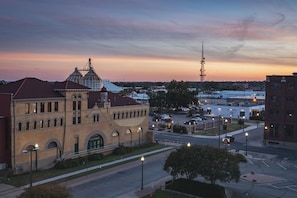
[
  {"x": 114, "y": 98},
  {"x": 29, "y": 88}
]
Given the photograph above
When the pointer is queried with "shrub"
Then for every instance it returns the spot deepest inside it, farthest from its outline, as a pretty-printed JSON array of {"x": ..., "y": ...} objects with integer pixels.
[
  {"x": 179, "y": 129},
  {"x": 197, "y": 188},
  {"x": 240, "y": 158},
  {"x": 46, "y": 191},
  {"x": 121, "y": 150},
  {"x": 95, "y": 157}
]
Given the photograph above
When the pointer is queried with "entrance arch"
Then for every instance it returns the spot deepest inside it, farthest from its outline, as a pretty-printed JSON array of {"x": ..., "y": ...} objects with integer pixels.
[{"x": 95, "y": 142}]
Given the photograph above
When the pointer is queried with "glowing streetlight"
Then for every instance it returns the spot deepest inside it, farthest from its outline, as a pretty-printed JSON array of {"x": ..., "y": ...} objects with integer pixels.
[{"x": 142, "y": 160}]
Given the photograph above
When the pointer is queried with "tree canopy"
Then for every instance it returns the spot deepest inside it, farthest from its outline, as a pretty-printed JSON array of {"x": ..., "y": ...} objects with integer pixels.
[
  {"x": 179, "y": 94},
  {"x": 211, "y": 163}
]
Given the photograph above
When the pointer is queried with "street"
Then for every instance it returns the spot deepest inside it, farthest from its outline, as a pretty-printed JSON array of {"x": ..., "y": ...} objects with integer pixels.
[{"x": 124, "y": 180}]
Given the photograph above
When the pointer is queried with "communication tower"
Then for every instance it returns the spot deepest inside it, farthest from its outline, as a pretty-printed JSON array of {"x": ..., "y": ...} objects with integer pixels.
[{"x": 202, "y": 70}]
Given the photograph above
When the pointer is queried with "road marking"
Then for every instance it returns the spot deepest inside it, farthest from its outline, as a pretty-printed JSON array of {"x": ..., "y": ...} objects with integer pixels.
[
  {"x": 281, "y": 166},
  {"x": 265, "y": 163}
]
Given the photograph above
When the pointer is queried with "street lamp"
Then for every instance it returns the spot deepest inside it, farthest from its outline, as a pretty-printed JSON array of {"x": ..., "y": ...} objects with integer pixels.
[
  {"x": 188, "y": 144},
  {"x": 142, "y": 160},
  {"x": 246, "y": 136},
  {"x": 30, "y": 150},
  {"x": 265, "y": 132}
]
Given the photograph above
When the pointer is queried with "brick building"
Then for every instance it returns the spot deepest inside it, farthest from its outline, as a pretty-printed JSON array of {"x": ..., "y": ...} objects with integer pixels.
[
  {"x": 281, "y": 111},
  {"x": 66, "y": 120}
]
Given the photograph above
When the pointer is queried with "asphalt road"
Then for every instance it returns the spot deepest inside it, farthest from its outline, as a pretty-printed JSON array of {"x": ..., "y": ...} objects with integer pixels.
[{"x": 119, "y": 180}]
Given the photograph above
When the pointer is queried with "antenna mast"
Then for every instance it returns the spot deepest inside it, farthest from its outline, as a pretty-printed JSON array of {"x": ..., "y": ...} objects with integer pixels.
[{"x": 202, "y": 70}]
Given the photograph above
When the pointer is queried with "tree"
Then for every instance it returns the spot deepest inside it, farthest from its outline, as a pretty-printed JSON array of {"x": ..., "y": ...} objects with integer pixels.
[
  {"x": 179, "y": 94},
  {"x": 211, "y": 163}
]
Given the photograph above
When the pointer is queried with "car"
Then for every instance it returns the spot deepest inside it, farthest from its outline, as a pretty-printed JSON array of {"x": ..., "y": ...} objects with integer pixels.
[
  {"x": 228, "y": 139},
  {"x": 191, "y": 122}
]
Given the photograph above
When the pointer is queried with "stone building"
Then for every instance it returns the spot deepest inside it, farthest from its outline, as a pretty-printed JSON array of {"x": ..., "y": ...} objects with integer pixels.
[{"x": 66, "y": 120}]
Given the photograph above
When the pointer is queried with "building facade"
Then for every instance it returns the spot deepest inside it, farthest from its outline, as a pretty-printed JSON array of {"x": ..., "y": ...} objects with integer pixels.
[
  {"x": 66, "y": 120},
  {"x": 280, "y": 128}
]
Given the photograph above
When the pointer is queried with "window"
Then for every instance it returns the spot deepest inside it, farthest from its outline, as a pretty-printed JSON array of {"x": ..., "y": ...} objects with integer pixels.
[
  {"x": 42, "y": 107},
  {"x": 49, "y": 107},
  {"x": 290, "y": 99},
  {"x": 27, "y": 125},
  {"x": 74, "y": 105},
  {"x": 96, "y": 118},
  {"x": 27, "y": 108},
  {"x": 34, "y": 107},
  {"x": 55, "y": 122},
  {"x": 56, "y": 106},
  {"x": 289, "y": 130},
  {"x": 119, "y": 116},
  {"x": 48, "y": 123},
  {"x": 74, "y": 120},
  {"x": 20, "y": 126},
  {"x": 52, "y": 145},
  {"x": 41, "y": 123},
  {"x": 61, "y": 122},
  {"x": 114, "y": 116},
  {"x": 79, "y": 105},
  {"x": 274, "y": 99},
  {"x": 291, "y": 85},
  {"x": 34, "y": 125},
  {"x": 274, "y": 128},
  {"x": 78, "y": 119},
  {"x": 275, "y": 85},
  {"x": 95, "y": 142}
]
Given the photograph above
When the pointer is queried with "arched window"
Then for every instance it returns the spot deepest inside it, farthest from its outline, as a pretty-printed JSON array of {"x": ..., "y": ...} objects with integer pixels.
[
  {"x": 95, "y": 142},
  {"x": 52, "y": 145}
]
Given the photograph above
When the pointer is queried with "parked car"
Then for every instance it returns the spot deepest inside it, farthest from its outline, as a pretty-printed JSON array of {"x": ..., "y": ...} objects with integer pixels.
[
  {"x": 191, "y": 122},
  {"x": 228, "y": 139}
]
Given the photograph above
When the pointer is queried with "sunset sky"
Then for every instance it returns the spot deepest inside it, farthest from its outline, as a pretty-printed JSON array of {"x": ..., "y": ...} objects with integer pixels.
[{"x": 148, "y": 40}]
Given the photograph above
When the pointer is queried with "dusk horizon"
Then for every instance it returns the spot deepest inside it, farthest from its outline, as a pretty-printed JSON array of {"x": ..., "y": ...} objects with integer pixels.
[{"x": 148, "y": 41}]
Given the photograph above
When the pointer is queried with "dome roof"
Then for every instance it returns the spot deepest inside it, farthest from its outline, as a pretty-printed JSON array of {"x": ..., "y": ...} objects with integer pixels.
[
  {"x": 91, "y": 75},
  {"x": 76, "y": 76}
]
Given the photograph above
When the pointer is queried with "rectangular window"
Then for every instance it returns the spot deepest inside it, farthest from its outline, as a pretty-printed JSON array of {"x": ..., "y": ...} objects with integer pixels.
[
  {"x": 289, "y": 130},
  {"x": 56, "y": 106},
  {"x": 27, "y": 125},
  {"x": 20, "y": 126},
  {"x": 48, "y": 123},
  {"x": 34, "y": 107},
  {"x": 74, "y": 120},
  {"x": 74, "y": 105},
  {"x": 34, "y": 125},
  {"x": 61, "y": 122},
  {"x": 79, "y": 105},
  {"x": 49, "y": 107},
  {"x": 41, "y": 123},
  {"x": 55, "y": 122},
  {"x": 42, "y": 107},
  {"x": 27, "y": 108},
  {"x": 78, "y": 120}
]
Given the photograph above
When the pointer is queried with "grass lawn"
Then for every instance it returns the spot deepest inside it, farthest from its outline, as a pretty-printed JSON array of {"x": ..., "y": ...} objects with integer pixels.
[
  {"x": 215, "y": 131},
  {"x": 167, "y": 194},
  {"x": 23, "y": 179}
]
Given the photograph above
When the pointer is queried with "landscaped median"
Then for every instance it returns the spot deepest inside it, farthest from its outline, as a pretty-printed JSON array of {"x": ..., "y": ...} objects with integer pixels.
[{"x": 85, "y": 167}]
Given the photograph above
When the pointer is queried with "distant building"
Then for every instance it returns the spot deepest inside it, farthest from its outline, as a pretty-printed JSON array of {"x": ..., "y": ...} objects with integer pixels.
[
  {"x": 66, "y": 120},
  {"x": 281, "y": 111}
]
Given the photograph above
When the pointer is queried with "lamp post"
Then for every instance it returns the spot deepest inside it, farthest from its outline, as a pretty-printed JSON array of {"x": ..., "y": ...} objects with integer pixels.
[
  {"x": 188, "y": 144},
  {"x": 30, "y": 150},
  {"x": 219, "y": 110},
  {"x": 142, "y": 160},
  {"x": 246, "y": 137},
  {"x": 265, "y": 132},
  {"x": 258, "y": 119}
]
